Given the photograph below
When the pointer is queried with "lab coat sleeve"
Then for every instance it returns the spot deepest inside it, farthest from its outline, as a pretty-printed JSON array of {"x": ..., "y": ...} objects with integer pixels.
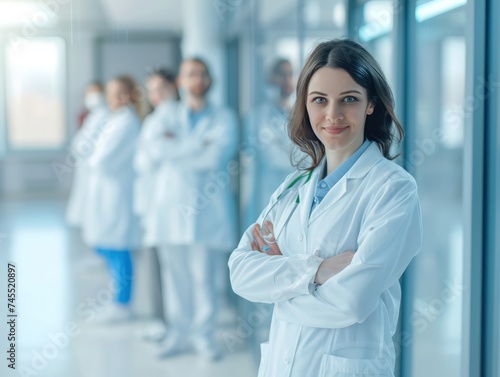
[
  {"x": 83, "y": 144},
  {"x": 390, "y": 236},
  {"x": 212, "y": 150},
  {"x": 142, "y": 160},
  {"x": 169, "y": 149},
  {"x": 270, "y": 279},
  {"x": 161, "y": 148},
  {"x": 117, "y": 148}
]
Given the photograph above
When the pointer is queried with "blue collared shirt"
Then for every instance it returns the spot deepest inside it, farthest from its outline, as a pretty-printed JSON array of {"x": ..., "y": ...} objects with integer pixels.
[
  {"x": 195, "y": 116},
  {"x": 323, "y": 186}
]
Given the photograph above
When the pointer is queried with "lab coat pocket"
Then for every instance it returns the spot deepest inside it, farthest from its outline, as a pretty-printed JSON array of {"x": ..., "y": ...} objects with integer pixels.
[
  {"x": 264, "y": 359},
  {"x": 335, "y": 366}
]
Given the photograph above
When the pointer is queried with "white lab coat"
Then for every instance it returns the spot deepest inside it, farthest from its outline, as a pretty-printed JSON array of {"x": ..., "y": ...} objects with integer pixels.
[
  {"x": 82, "y": 147},
  {"x": 193, "y": 200},
  {"x": 344, "y": 327},
  {"x": 146, "y": 168},
  {"x": 266, "y": 158},
  {"x": 109, "y": 219}
]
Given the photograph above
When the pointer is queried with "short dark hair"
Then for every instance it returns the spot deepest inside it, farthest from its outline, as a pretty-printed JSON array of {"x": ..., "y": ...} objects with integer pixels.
[
  {"x": 363, "y": 68},
  {"x": 166, "y": 75},
  {"x": 276, "y": 65}
]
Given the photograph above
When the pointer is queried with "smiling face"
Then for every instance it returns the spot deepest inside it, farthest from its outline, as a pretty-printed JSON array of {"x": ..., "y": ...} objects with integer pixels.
[{"x": 337, "y": 107}]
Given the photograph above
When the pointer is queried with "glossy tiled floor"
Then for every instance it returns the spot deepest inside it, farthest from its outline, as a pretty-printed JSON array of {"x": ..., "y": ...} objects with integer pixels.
[{"x": 57, "y": 334}]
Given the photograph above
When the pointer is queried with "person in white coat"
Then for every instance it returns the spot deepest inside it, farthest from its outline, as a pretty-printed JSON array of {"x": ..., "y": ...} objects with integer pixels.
[
  {"x": 82, "y": 146},
  {"x": 266, "y": 154},
  {"x": 194, "y": 215},
  {"x": 110, "y": 225},
  {"x": 161, "y": 89},
  {"x": 331, "y": 245}
]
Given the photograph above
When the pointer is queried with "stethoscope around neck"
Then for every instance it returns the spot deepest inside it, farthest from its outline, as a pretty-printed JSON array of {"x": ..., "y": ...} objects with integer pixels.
[{"x": 264, "y": 232}]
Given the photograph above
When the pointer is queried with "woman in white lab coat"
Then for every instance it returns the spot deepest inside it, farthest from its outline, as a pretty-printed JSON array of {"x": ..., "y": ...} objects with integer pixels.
[
  {"x": 334, "y": 240},
  {"x": 82, "y": 146},
  {"x": 110, "y": 225},
  {"x": 194, "y": 214}
]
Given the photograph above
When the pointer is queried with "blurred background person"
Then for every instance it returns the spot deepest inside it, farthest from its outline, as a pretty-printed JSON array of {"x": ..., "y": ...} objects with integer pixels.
[
  {"x": 82, "y": 146},
  {"x": 110, "y": 225},
  {"x": 194, "y": 214},
  {"x": 161, "y": 90},
  {"x": 267, "y": 147}
]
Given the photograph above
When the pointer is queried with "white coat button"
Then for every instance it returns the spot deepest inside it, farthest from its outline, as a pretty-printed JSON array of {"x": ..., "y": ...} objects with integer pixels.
[
  {"x": 286, "y": 360},
  {"x": 300, "y": 237}
]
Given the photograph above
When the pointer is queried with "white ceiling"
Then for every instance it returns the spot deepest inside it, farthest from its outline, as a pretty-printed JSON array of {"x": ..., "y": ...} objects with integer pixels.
[
  {"x": 145, "y": 14},
  {"x": 164, "y": 15}
]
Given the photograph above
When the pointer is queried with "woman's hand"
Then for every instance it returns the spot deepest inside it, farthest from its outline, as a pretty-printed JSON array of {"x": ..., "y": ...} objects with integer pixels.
[
  {"x": 332, "y": 266},
  {"x": 260, "y": 245}
]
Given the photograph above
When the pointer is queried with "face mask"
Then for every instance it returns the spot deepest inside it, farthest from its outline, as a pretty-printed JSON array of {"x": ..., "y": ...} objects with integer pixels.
[{"x": 94, "y": 100}]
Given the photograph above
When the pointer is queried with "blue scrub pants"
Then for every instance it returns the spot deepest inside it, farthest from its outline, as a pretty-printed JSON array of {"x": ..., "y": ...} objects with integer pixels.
[{"x": 120, "y": 266}]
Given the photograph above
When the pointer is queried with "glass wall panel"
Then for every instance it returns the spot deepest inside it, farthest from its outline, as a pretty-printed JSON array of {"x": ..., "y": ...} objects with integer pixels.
[{"x": 436, "y": 157}]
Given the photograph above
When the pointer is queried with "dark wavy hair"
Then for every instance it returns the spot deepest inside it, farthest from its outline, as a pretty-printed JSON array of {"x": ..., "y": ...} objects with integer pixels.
[{"x": 352, "y": 57}]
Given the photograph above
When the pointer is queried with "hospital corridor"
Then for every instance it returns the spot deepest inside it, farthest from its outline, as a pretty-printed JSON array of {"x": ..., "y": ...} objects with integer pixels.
[{"x": 250, "y": 188}]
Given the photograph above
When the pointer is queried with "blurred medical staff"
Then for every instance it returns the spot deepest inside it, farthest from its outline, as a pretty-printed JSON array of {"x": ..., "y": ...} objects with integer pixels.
[
  {"x": 110, "y": 225},
  {"x": 267, "y": 145},
  {"x": 82, "y": 146},
  {"x": 161, "y": 89},
  {"x": 194, "y": 213}
]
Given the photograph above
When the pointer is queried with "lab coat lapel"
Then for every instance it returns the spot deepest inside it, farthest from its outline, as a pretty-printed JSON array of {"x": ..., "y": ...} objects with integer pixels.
[
  {"x": 204, "y": 122},
  {"x": 184, "y": 119},
  {"x": 333, "y": 196},
  {"x": 365, "y": 163},
  {"x": 306, "y": 194}
]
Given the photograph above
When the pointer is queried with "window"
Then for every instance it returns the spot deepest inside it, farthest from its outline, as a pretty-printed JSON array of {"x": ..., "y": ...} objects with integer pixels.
[
  {"x": 35, "y": 82},
  {"x": 438, "y": 283}
]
